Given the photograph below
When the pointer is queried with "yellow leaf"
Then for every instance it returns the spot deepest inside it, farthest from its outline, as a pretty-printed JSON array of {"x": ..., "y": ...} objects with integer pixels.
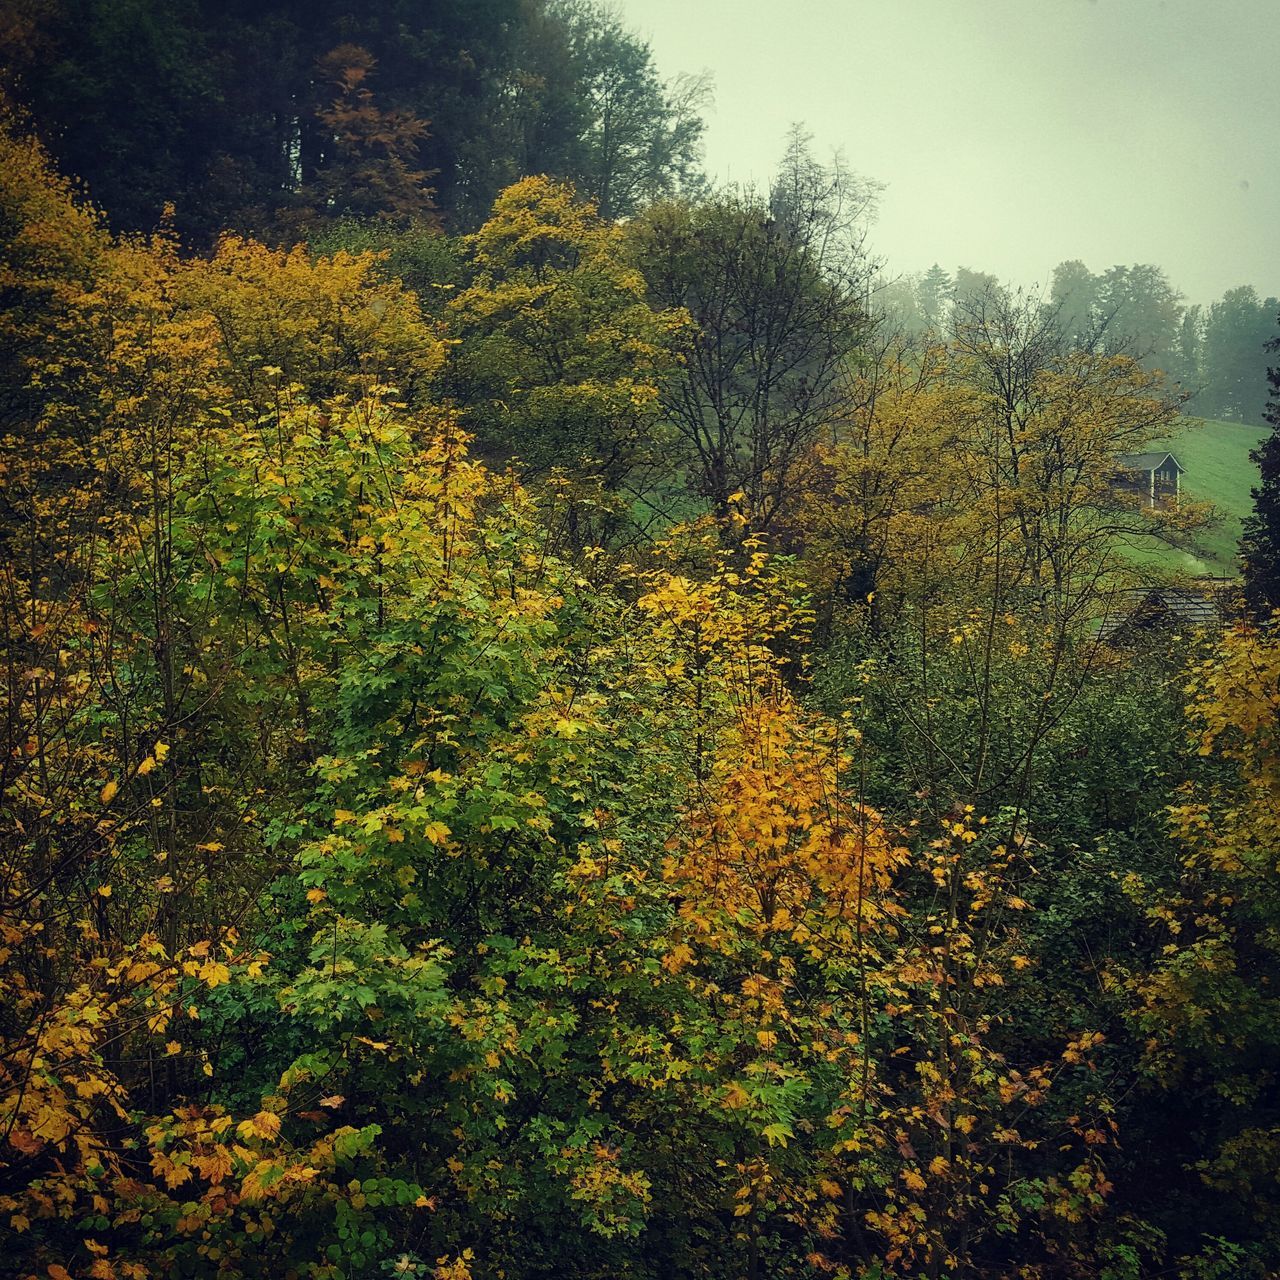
[
  {"x": 108, "y": 793},
  {"x": 214, "y": 973},
  {"x": 146, "y": 766},
  {"x": 263, "y": 1125},
  {"x": 161, "y": 752},
  {"x": 104, "y": 891},
  {"x": 316, "y": 895}
]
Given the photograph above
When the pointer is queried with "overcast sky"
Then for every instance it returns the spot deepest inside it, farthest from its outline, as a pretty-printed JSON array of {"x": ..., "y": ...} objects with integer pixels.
[{"x": 1012, "y": 134}]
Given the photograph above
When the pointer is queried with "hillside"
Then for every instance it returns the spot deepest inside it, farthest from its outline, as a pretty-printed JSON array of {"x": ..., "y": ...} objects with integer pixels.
[{"x": 1218, "y": 470}]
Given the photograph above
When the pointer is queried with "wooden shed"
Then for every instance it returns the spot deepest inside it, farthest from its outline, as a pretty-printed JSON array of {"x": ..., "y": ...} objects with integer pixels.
[
  {"x": 1154, "y": 476},
  {"x": 1198, "y": 605}
]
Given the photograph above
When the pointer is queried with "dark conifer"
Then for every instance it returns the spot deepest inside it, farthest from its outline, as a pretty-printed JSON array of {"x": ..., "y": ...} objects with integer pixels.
[{"x": 1260, "y": 545}]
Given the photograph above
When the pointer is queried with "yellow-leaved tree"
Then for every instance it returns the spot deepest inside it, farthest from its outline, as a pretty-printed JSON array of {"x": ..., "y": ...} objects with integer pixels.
[
  {"x": 1208, "y": 1007},
  {"x": 561, "y": 356}
]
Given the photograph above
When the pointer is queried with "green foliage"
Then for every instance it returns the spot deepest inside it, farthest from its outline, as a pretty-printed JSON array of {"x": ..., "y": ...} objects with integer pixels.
[
  {"x": 272, "y": 118},
  {"x": 398, "y": 879},
  {"x": 560, "y": 352},
  {"x": 775, "y": 297}
]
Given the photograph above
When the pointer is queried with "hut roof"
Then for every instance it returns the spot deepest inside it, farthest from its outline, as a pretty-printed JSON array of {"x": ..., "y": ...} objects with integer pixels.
[
  {"x": 1148, "y": 461},
  {"x": 1200, "y": 604}
]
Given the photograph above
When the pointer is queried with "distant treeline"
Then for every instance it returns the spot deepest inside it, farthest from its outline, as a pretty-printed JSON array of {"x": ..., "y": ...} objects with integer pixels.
[{"x": 1214, "y": 353}]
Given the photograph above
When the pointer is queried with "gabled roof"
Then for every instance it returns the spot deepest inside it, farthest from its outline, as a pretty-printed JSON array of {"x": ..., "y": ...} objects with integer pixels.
[
  {"x": 1202, "y": 603},
  {"x": 1147, "y": 461}
]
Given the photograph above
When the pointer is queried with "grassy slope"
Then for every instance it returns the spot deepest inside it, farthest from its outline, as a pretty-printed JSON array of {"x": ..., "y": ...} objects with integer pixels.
[{"x": 1216, "y": 456}]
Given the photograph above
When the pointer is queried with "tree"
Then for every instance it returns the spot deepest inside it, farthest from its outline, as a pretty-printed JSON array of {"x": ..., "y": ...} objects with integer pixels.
[
  {"x": 897, "y": 303},
  {"x": 935, "y": 294},
  {"x": 871, "y": 502},
  {"x": 562, "y": 355},
  {"x": 824, "y": 207},
  {"x": 1206, "y": 1009},
  {"x": 374, "y": 168},
  {"x": 1134, "y": 310},
  {"x": 212, "y": 105},
  {"x": 972, "y": 285},
  {"x": 1140, "y": 313},
  {"x": 1236, "y": 332},
  {"x": 1073, "y": 295},
  {"x": 1260, "y": 543},
  {"x": 1187, "y": 366},
  {"x": 127, "y": 98},
  {"x": 777, "y": 298},
  {"x": 1045, "y": 426},
  {"x": 640, "y": 140}
]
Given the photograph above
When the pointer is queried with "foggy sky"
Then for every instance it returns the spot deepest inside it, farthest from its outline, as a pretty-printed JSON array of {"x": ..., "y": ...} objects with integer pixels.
[{"x": 1012, "y": 134}]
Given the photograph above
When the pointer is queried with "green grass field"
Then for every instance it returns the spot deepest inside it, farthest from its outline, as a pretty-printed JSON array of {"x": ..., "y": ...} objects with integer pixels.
[{"x": 1218, "y": 470}]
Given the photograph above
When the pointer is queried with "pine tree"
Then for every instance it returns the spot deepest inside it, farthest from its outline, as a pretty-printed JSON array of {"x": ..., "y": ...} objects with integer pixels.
[{"x": 1260, "y": 545}]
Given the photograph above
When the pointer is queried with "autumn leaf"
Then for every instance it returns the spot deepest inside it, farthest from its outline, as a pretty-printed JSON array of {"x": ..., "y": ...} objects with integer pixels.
[
  {"x": 262, "y": 1125},
  {"x": 214, "y": 973}
]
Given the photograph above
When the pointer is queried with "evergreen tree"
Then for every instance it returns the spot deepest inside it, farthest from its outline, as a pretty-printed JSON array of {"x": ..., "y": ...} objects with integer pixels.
[
  {"x": 1261, "y": 542},
  {"x": 251, "y": 115},
  {"x": 934, "y": 292}
]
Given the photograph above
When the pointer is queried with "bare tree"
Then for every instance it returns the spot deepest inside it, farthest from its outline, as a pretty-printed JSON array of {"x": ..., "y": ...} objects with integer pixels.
[{"x": 777, "y": 291}]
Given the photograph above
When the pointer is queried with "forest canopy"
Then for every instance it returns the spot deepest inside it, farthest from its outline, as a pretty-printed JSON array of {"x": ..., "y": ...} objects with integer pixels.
[{"x": 556, "y": 725}]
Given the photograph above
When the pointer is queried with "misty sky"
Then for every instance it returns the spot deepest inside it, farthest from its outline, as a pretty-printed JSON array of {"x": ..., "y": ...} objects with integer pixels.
[{"x": 1012, "y": 134}]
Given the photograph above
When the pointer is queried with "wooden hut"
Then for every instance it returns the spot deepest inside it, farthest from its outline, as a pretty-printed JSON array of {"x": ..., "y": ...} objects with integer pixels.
[{"x": 1154, "y": 476}]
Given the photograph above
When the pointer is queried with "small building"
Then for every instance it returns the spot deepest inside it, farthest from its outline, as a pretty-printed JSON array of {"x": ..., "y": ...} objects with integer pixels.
[
  {"x": 1154, "y": 476},
  {"x": 1197, "y": 605}
]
